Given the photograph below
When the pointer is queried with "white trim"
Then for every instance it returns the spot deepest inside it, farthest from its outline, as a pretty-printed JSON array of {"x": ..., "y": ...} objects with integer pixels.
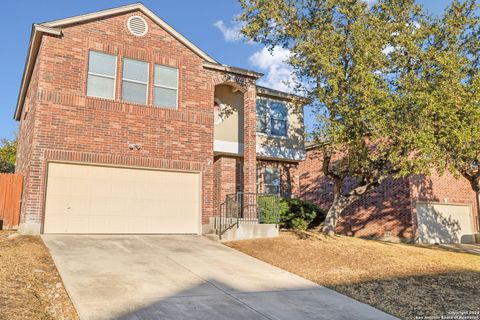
[
  {"x": 49, "y": 30},
  {"x": 280, "y": 153},
  {"x": 130, "y": 29},
  {"x": 236, "y": 70},
  {"x": 227, "y": 147},
  {"x": 34, "y": 46},
  {"x": 101, "y": 75}
]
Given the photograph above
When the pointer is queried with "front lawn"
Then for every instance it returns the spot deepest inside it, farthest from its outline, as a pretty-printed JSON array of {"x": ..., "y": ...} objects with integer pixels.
[
  {"x": 30, "y": 287},
  {"x": 404, "y": 280}
]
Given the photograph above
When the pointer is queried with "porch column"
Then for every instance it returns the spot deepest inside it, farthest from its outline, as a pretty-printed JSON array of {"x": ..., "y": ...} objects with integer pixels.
[{"x": 249, "y": 139}]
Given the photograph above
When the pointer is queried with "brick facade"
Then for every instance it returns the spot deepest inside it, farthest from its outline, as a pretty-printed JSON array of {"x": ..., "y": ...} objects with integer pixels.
[
  {"x": 289, "y": 177},
  {"x": 227, "y": 178},
  {"x": 388, "y": 210},
  {"x": 59, "y": 122}
]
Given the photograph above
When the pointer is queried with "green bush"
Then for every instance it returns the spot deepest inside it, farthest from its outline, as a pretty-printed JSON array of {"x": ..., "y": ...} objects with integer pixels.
[
  {"x": 300, "y": 214},
  {"x": 268, "y": 207}
]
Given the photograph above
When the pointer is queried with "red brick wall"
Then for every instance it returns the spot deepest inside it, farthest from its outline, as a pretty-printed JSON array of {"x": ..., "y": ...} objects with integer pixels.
[
  {"x": 289, "y": 176},
  {"x": 226, "y": 179},
  {"x": 26, "y": 165},
  {"x": 69, "y": 126},
  {"x": 385, "y": 211},
  {"x": 444, "y": 188}
]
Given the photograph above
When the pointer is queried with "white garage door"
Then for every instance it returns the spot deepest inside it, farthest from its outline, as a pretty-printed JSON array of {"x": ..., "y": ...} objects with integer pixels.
[
  {"x": 444, "y": 223},
  {"x": 96, "y": 199}
]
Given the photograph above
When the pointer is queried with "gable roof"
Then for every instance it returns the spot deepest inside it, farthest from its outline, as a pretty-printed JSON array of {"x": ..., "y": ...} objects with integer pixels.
[
  {"x": 125, "y": 9},
  {"x": 55, "y": 28}
]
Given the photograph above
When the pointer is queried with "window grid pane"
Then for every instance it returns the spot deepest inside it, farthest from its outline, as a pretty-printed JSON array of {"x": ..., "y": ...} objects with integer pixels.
[
  {"x": 272, "y": 176},
  {"x": 135, "y": 70},
  {"x": 278, "y": 110},
  {"x": 165, "y": 91},
  {"x": 271, "y": 189},
  {"x": 164, "y": 97},
  {"x": 101, "y": 75},
  {"x": 279, "y": 127},
  {"x": 166, "y": 77},
  {"x": 135, "y": 81},
  {"x": 102, "y": 64},
  {"x": 272, "y": 117},
  {"x": 134, "y": 92},
  {"x": 101, "y": 87}
]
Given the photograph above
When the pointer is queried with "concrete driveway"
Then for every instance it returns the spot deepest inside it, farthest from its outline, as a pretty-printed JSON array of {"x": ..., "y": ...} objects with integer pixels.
[{"x": 187, "y": 277}]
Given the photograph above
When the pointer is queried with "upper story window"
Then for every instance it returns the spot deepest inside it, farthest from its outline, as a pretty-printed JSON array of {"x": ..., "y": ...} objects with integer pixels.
[
  {"x": 272, "y": 117},
  {"x": 135, "y": 81},
  {"x": 165, "y": 87},
  {"x": 101, "y": 75}
]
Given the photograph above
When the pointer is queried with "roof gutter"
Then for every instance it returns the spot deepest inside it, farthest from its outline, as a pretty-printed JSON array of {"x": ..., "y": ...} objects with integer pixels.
[
  {"x": 35, "y": 40},
  {"x": 236, "y": 70}
]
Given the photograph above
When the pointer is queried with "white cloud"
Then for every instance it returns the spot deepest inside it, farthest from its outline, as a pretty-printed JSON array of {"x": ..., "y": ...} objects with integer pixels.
[
  {"x": 230, "y": 33},
  {"x": 278, "y": 74}
]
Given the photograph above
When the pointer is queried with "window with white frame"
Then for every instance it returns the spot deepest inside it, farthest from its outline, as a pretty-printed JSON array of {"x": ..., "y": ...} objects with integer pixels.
[
  {"x": 165, "y": 87},
  {"x": 101, "y": 75},
  {"x": 271, "y": 181},
  {"x": 135, "y": 81},
  {"x": 272, "y": 117}
]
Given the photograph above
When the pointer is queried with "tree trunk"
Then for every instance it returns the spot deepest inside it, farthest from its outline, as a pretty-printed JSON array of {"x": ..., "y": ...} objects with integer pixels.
[
  {"x": 340, "y": 202},
  {"x": 335, "y": 210},
  {"x": 333, "y": 213}
]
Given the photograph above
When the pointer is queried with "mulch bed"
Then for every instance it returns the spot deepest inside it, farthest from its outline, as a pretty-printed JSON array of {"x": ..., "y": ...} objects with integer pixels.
[
  {"x": 30, "y": 286},
  {"x": 407, "y": 281}
]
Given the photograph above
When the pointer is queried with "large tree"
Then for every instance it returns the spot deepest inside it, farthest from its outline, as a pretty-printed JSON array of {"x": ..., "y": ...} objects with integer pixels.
[
  {"x": 8, "y": 152},
  {"x": 453, "y": 81},
  {"x": 361, "y": 68}
]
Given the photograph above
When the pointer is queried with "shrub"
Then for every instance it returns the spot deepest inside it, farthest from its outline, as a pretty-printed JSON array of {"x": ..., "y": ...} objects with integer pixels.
[
  {"x": 268, "y": 208},
  {"x": 300, "y": 214}
]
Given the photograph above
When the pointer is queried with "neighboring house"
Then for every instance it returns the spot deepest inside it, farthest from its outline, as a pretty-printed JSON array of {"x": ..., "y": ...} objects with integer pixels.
[
  {"x": 128, "y": 127},
  {"x": 431, "y": 209}
]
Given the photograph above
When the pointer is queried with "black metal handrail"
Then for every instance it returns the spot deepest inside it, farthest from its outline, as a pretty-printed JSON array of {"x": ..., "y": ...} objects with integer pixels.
[
  {"x": 248, "y": 208},
  {"x": 229, "y": 212}
]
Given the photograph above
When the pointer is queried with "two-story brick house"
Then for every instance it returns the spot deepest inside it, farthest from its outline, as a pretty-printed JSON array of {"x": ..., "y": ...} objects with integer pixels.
[
  {"x": 425, "y": 209},
  {"x": 128, "y": 127}
]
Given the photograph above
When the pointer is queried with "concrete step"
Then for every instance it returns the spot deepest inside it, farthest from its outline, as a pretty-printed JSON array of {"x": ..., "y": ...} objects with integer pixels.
[
  {"x": 246, "y": 231},
  {"x": 212, "y": 236}
]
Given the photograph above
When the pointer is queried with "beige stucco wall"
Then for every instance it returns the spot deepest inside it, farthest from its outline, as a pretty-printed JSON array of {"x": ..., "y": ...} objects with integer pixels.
[
  {"x": 295, "y": 134},
  {"x": 231, "y": 128}
]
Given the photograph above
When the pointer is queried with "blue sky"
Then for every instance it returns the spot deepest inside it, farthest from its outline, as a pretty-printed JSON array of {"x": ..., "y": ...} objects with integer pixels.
[{"x": 207, "y": 23}]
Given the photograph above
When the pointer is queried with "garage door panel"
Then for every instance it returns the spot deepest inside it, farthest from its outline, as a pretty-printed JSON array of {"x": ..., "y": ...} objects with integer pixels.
[
  {"x": 443, "y": 223},
  {"x": 96, "y": 199}
]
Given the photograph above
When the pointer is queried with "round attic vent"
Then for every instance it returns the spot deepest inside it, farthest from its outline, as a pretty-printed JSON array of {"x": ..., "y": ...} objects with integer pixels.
[{"x": 137, "y": 26}]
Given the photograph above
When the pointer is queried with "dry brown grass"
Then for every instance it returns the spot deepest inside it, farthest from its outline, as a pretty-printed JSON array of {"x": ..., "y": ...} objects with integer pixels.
[
  {"x": 30, "y": 287},
  {"x": 403, "y": 280}
]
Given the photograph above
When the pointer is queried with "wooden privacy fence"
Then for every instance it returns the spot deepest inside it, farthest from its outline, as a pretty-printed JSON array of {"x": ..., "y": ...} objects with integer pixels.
[{"x": 10, "y": 199}]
